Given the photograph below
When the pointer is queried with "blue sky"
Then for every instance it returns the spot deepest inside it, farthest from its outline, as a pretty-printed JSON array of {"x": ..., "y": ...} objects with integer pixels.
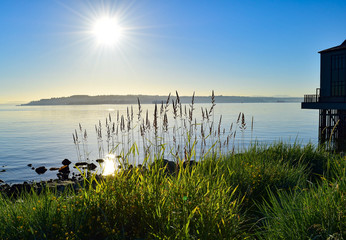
[{"x": 249, "y": 48}]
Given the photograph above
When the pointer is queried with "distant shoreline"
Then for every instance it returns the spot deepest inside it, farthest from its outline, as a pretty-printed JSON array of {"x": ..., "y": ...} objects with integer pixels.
[{"x": 152, "y": 99}]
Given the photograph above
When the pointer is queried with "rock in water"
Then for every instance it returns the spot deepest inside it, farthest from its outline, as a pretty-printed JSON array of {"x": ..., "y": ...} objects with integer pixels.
[
  {"x": 66, "y": 162},
  {"x": 100, "y": 160},
  {"x": 169, "y": 166},
  {"x": 81, "y": 164},
  {"x": 64, "y": 172},
  {"x": 92, "y": 166},
  {"x": 64, "y": 169},
  {"x": 62, "y": 176},
  {"x": 41, "y": 170},
  {"x": 189, "y": 163},
  {"x": 53, "y": 169}
]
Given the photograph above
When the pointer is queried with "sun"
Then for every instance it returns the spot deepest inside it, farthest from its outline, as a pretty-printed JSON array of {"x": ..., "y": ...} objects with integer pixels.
[{"x": 107, "y": 31}]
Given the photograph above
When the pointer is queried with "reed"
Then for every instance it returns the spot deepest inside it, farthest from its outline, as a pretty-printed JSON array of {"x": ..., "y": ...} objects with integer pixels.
[{"x": 177, "y": 135}]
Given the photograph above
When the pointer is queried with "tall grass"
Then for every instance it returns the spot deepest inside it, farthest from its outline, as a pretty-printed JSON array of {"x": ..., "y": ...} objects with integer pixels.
[
  {"x": 174, "y": 131},
  {"x": 317, "y": 212}
]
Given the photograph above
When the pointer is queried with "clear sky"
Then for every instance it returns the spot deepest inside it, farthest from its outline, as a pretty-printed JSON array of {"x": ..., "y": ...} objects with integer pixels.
[{"x": 250, "y": 48}]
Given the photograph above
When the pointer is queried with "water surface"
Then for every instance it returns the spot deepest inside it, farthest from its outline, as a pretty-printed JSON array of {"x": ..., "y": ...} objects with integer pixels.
[{"x": 42, "y": 135}]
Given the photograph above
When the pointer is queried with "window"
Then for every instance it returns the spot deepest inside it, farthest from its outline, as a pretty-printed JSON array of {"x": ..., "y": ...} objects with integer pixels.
[{"x": 338, "y": 75}]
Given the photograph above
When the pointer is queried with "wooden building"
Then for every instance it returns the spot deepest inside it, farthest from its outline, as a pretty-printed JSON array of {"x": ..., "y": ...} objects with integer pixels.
[{"x": 330, "y": 97}]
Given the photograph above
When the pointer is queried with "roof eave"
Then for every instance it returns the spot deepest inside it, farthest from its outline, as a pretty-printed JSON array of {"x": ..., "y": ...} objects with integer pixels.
[{"x": 340, "y": 47}]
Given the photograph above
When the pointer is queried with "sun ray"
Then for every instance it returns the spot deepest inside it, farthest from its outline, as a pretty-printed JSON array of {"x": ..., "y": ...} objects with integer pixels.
[{"x": 111, "y": 33}]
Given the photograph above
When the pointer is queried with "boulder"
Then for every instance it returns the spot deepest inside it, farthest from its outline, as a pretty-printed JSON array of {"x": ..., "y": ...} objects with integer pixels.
[
  {"x": 81, "y": 164},
  {"x": 17, "y": 189},
  {"x": 91, "y": 166},
  {"x": 66, "y": 162},
  {"x": 170, "y": 166},
  {"x": 64, "y": 169},
  {"x": 189, "y": 163},
  {"x": 100, "y": 160},
  {"x": 53, "y": 169},
  {"x": 41, "y": 170},
  {"x": 62, "y": 176}
]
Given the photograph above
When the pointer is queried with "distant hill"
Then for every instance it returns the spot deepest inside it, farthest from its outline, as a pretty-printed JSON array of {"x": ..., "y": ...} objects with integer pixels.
[{"x": 132, "y": 99}]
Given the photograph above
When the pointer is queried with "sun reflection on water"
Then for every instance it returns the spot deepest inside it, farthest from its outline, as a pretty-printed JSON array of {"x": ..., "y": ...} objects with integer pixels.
[{"x": 109, "y": 165}]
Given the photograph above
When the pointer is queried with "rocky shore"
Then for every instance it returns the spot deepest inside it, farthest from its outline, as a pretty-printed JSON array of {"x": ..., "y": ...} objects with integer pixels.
[
  {"x": 76, "y": 181},
  {"x": 65, "y": 178}
]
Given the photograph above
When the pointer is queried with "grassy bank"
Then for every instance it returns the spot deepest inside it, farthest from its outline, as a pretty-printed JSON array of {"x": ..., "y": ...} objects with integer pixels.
[
  {"x": 277, "y": 191},
  {"x": 267, "y": 192}
]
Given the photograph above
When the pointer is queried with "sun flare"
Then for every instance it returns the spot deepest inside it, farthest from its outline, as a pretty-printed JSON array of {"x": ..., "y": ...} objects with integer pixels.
[{"x": 107, "y": 31}]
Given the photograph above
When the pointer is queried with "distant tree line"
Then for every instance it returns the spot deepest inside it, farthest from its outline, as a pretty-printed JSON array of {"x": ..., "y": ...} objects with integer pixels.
[{"x": 145, "y": 99}]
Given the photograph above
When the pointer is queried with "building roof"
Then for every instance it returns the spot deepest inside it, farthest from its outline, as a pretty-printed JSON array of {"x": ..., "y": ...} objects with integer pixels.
[{"x": 340, "y": 47}]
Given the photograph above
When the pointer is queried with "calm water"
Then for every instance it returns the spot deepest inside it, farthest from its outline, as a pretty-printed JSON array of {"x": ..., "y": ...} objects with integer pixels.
[{"x": 42, "y": 135}]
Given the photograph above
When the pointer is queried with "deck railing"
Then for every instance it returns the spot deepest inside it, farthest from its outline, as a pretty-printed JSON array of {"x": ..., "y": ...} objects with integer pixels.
[{"x": 311, "y": 98}]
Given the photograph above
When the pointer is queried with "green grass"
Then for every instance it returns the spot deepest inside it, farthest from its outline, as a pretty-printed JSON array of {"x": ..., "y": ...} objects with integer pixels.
[
  {"x": 279, "y": 191},
  {"x": 317, "y": 212}
]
